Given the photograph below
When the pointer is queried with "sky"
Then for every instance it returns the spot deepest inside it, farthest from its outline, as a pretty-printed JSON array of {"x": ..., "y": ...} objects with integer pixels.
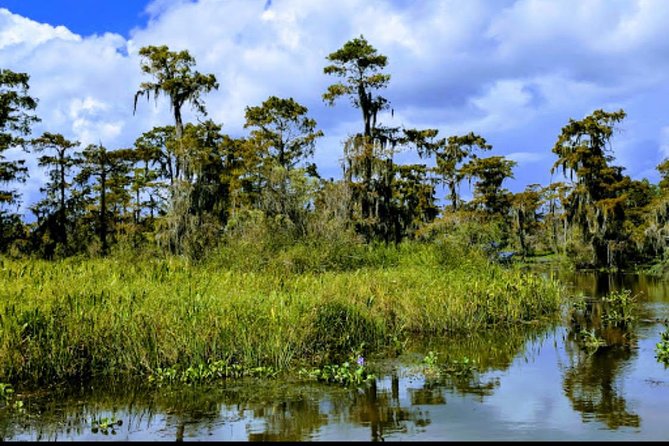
[{"x": 512, "y": 71}]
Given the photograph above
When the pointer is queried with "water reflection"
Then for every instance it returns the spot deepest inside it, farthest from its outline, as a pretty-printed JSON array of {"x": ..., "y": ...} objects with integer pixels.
[
  {"x": 592, "y": 377},
  {"x": 525, "y": 382},
  {"x": 591, "y": 384}
]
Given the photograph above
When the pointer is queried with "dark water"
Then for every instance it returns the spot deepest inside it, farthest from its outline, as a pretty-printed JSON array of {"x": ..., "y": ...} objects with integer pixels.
[{"x": 529, "y": 383}]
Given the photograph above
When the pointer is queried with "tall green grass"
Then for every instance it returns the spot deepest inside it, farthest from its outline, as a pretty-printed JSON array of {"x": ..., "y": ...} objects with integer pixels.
[{"x": 81, "y": 318}]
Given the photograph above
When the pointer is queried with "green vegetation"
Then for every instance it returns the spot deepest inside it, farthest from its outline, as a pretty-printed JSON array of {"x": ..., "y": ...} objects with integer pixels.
[
  {"x": 605, "y": 322},
  {"x": 350, "y": 373},
  {"x": 188, "y": 188},
  {"x": 81, "y": 318},
  {"x": 662, "y": 347},
  {"x": 195, "y": 256}
]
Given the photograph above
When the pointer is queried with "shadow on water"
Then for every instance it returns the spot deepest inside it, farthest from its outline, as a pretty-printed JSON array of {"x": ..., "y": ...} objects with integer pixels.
[{"x": 466, "y": 389}]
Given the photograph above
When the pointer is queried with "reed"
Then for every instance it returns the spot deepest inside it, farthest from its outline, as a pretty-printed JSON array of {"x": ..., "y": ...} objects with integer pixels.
[{"x": 80, "y": 318}]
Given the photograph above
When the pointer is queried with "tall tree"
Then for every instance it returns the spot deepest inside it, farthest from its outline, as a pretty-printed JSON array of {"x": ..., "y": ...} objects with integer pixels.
[
  {"x": 16, "y": 120},
  {"x": 145, "y": 178},
  {"x": 414, "y": 199},
  {"x": 282, "y": 129},
  {"x": 60, "y": 162},
  {"x": 158, "y": 145},
  {"x": 359, "y": 66},
  {"x": 109, "y": 170},
  {"x": 555, "y": 218},
  {"x": 284, "y": 136},
  {"x": 174, "y": 77},
  {"x": 596, "y": 203},
  {"x": 450, "y": 153},
  {"x": 490, "y": 173},
  {"x": 526, "y": 210}
]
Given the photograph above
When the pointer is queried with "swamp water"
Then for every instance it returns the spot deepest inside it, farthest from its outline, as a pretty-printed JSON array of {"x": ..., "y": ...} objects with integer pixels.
[{"x": 527, "y": 383}]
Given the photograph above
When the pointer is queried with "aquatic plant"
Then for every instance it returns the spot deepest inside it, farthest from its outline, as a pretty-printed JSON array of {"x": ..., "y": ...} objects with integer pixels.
[
  {"x": 105, "y": 425},
  {"x": 353, "y": 372},
  {"x": 662, "y": 347},
  {"x": 591, "y": 341},
  {"x": 207, "y": 373},
  {"x": 619, "y": 308},
  {"x": 430, "y": 360},
  {"x": 7, "y": 398},
  {"x": 6, "y": 391}
]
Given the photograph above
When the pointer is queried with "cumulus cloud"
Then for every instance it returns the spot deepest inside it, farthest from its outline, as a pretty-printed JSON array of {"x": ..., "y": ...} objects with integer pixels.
[{"x": 514, "y": 71}]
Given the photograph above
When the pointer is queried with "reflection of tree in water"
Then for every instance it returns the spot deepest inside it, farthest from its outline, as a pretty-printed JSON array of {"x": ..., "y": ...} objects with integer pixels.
[
  {"x": 590, "y": 385},
  {"x": 288, "y": 420},
  {"x": 463, "y": 360},
  {"x": 492, "y": 349},
  {"x": 69, "y": 412},
  {"x": 381, "y": 410},
  {"x": 590, "y": 378},
  {"x": 468, "y": 383},
  {"x": 288, "y": 413}
]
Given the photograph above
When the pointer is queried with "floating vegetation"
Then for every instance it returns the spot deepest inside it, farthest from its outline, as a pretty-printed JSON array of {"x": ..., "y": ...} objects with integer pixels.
[
  {"x": 620, "y": 308},
  {"x": 8, "y": 399},
  {"x": 604, "y": 323},
  {"x": 208, "y": 373},
  {"x": 105, "y": 425},
  {"x": 662, "y": 347},
  {"x": 591, "y": 341},
  {"x": 350, "y": 373}
]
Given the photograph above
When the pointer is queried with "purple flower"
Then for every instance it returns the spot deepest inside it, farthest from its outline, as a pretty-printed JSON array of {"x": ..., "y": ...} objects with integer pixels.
[{"x": 361, "y": 361}]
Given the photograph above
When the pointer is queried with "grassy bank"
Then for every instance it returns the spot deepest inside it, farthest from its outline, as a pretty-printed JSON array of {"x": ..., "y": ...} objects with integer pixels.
[{"x": 79, "y": 318}]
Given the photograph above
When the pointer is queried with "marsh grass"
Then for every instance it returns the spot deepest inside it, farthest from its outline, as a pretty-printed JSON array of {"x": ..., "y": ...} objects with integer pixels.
[{"x": 123, "y": 316}]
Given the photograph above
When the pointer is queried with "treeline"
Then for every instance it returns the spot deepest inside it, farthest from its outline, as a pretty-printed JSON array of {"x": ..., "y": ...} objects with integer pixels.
[{"x": 188, "y": 187}]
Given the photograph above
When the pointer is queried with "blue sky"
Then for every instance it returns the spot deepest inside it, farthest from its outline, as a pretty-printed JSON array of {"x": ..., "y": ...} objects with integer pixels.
[
  {"x": 513, "y": 71},
  {"x": 84, "y": 17}
]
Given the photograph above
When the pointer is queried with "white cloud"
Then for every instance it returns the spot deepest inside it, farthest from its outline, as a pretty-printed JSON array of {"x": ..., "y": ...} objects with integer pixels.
[
  {"x": 526, "y": 157},
  {"x": 19, "y": 31},
  {"x": 513, "y": 71}
]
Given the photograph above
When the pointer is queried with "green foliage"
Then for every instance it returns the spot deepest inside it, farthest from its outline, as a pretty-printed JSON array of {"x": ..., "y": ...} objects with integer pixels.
[
  {"x": 491, "y": 173},
  {"x": 16, "y": 119},
  {"x": 353, "y": 372},
  {"x": 359, "y": 64},
  {"x": 8, "y": 399},
  {"x": 450, "y": 153},
  {"x": 53, "y": 213},
  {"x": 596, "y": 204},
  {"x": 81, "y": 318},
  {"x": 620, "y": 309},
  {"x": 6, "y": 391},
  {"x": 282, "y": 131},
  {"x": 525, "y": 208},
  {"x": 105, "y": 425},
  {"x": 434, "y": 369},
  {"x": 591, "y": 341},
  {"x": 214, "y": 370},
  {"x": 173, "y": 76},
  {"x": 662, "y": 347},
  {"x": 338, "y": 327}
]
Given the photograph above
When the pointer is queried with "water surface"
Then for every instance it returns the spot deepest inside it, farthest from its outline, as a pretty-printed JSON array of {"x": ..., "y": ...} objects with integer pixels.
[{"x": 530, "y": 383}]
